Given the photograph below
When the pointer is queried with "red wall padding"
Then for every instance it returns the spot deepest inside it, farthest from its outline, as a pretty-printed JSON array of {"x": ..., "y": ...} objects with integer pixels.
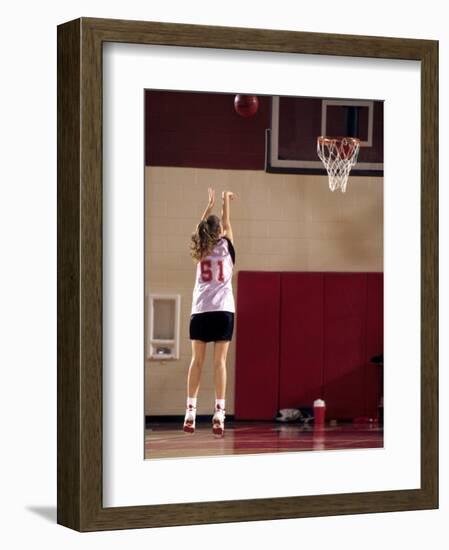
[
  {"x": 374, "y": 342},
  {"x": 301, "y": 336},
  {"x": 301, "y": 349},
  {"x": 257, "y": 345},
  {"x": 344, "y": 351}
]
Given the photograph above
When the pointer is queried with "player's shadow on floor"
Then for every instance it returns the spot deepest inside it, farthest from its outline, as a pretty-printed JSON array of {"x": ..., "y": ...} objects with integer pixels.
[{"x": 47, "y": 512}]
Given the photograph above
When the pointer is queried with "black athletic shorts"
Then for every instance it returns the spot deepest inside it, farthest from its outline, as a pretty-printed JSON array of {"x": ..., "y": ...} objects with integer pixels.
[{"x": 212, "y": 326}]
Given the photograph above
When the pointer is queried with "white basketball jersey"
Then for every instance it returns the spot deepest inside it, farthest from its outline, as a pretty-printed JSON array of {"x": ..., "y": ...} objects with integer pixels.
[{"x": 213, "y": 280}]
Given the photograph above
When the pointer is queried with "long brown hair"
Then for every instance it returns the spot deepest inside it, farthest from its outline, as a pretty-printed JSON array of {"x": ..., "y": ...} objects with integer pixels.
[{"x": 205, "y": 237}]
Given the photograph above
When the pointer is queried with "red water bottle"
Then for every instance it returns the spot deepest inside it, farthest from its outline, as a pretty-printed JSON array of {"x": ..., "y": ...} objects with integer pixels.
[{"x": 319, "y": 413}]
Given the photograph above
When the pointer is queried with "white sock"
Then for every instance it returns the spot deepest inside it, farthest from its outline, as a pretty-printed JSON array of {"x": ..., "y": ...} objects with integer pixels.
[
  {"x": 191, "y": 401},
  {"x": 219, "y": 403}
]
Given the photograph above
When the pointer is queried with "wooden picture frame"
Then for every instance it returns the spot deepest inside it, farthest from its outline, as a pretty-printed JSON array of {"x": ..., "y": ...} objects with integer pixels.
[{"x": 79, "y": 464}]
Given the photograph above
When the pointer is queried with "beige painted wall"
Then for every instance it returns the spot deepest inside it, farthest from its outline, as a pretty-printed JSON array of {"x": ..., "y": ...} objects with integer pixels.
[{"x": 280, "y": 223}]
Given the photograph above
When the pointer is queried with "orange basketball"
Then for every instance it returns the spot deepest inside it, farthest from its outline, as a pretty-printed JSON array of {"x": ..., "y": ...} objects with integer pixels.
[{"x": 246, "y": 105}]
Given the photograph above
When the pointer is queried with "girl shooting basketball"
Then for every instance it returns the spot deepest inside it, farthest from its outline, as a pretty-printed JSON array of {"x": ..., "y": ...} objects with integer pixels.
[{"x": 213, "y": 307}]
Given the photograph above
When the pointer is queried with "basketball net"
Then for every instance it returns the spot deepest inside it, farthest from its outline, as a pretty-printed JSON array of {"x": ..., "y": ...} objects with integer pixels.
[{"x": 339, "y": 155}]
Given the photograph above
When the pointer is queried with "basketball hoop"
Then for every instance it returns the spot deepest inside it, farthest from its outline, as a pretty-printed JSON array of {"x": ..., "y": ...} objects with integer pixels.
[{"x": 339, "y": 155}]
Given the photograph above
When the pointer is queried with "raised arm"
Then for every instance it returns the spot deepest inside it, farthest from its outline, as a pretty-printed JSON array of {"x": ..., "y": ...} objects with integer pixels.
[
  {"x": 225, "y": 212},
  {"x": 210, "y": 204}
]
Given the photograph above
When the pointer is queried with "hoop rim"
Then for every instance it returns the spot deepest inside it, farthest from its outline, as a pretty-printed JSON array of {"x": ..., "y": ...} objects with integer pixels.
[{"x": 337, "y": 139}]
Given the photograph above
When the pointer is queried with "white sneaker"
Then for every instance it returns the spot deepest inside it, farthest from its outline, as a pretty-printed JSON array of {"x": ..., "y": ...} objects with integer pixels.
[
  {"x": 189, "y": 420},
  {"x": 218, "y": 421}
]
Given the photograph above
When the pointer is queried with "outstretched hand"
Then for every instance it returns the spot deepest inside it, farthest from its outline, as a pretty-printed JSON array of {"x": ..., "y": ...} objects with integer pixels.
[
  {"x": 230, "y": 194},
  {"x": 211, "y": 197}
]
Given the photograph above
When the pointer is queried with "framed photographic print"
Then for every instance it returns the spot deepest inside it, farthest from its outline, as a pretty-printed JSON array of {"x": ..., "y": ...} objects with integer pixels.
[{"x": 247, "y": 274}]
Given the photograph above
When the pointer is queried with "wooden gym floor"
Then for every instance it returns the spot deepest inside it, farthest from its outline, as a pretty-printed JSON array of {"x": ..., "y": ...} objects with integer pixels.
[{"x": 167, "y": 440}]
